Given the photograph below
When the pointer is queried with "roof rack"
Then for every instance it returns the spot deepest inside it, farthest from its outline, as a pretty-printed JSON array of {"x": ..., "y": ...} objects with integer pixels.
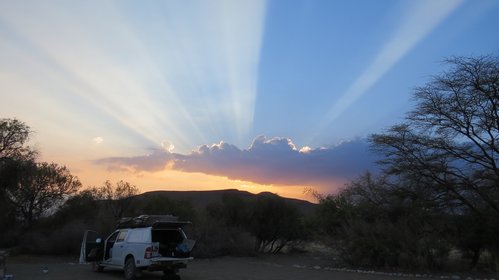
[{"x": 155, "y": 221}]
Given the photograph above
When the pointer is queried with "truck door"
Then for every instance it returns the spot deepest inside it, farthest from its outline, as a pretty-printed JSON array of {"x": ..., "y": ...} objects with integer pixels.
[
  {"x": 92, "y": 247},
  {"x": 118, "y": 257}
]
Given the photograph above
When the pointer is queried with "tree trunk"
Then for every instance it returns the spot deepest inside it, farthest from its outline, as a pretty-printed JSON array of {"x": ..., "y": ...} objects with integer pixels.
[{"x": 475, "y": 258}]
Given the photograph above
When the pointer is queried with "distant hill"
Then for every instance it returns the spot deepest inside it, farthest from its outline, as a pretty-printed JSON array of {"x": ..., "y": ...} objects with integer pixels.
[{"x": 200, "y": 199}]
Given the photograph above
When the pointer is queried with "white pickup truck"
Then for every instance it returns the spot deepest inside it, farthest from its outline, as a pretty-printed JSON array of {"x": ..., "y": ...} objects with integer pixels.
[{"x": 153, "y": 243}]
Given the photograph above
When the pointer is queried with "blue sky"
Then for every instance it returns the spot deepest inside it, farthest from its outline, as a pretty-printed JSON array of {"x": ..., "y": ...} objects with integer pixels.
[{"x": 113, "y": 88}]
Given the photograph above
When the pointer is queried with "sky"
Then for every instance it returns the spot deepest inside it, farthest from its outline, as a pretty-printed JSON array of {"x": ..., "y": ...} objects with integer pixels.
[{"x": 256, "y": 95}]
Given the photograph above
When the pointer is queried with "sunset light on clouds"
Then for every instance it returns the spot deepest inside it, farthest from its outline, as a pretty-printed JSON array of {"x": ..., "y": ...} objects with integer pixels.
[{"x": 256, "y": 95}]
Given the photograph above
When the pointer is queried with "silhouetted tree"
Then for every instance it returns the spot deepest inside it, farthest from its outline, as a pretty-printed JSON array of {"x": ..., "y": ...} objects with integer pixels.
[
  {"x": 274, "y": 223},
  {"x": 373, "y": 223},
  {"x": 14, "y": 136},
  {"x": 117, "y": 197},
  {"x": 82, "y": 205},
  {"x": 446, "y": 153},
  {"x": 232, "y": 211},
  {"x": 452, "y": 136},
  {"x": 37, "y": 189}
]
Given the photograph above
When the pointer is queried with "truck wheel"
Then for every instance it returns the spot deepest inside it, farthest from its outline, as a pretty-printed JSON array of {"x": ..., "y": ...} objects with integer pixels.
[
  {"x": 130, "y": 269},
  {"x": 96, "y": 267}
]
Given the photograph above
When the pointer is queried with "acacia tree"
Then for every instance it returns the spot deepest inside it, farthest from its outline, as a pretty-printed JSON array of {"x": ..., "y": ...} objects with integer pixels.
[
  {"x": 275, "y": 224},
  {"x": 28, "y": 189},
  {"x": 39, "y": 188},
  {"x": 449, "y": 146},
  {"x": 116, "y": 197},
  {"x": 373, "y": 223},
  {"x": 14, "y": 135},
  {"x": 451, "y": 138}
]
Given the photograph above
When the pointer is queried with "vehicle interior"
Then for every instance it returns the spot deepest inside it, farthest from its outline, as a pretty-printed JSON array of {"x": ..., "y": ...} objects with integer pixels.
[
  {"x": 109, "y": 245},
  {"x": 169, "y": 241}
]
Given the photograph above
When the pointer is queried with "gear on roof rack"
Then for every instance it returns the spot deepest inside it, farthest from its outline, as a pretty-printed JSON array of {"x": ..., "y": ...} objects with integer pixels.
[{"x": 150, "y": 221}]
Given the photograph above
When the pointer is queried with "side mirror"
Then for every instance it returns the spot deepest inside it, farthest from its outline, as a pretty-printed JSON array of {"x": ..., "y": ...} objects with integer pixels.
[{"x": 98, "y": 240}]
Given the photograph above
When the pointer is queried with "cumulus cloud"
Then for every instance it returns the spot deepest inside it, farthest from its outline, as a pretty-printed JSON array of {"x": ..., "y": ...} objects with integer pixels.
[
  {"x": 267, "y": 161},
  {"x": 167, "y": 146},
  {"x": 155, "y": 161},
  {"x": 97, "y": 140}
]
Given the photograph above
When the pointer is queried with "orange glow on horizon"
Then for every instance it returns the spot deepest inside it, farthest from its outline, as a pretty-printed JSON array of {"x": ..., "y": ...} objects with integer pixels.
[{"x": 173, "y": 180}]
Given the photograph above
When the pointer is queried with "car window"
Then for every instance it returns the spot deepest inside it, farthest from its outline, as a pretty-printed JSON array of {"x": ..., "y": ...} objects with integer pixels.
[
  {"x": 122, "y": 236},
  {"x": 113, "y": 236},
  {"x": 140, "y": 235}
]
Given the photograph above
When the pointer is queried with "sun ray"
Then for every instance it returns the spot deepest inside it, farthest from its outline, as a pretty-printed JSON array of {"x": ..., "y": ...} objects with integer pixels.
[
  {"x": 419, "y": 19},
  {"x": 158, "y": 82}
]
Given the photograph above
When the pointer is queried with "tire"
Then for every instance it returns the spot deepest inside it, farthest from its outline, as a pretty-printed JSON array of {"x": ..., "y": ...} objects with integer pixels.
[
  {"x": 130, "y": 269},
  {"x": 96, "y": 267}
]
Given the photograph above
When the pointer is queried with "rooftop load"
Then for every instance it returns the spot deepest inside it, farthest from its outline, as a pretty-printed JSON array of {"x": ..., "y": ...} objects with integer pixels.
[{"x": 155, "y": 221}]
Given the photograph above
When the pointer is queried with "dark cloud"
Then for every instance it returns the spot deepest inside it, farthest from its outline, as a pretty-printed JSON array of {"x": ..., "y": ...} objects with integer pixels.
[
  {"x": 155, "y": 161},
  {"x": 266, "y": 161}
]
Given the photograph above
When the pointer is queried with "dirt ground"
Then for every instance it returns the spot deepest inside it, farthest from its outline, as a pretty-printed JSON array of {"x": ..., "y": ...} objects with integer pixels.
[{"x": 266, "y": 267}]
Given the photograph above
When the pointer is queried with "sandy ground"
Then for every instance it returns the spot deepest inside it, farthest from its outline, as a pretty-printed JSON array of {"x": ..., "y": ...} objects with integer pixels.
[{"x": 231, "y": 268}]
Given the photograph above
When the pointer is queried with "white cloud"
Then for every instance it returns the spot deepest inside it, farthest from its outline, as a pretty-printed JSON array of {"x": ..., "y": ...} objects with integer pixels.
[
  {"x": 266, "y": 161},
  {"x": 305, "y": 150},
  {"x": 167, "y": 146},
  {"x": 97, "y": 140},
  {"x": 157, "y": 160}
]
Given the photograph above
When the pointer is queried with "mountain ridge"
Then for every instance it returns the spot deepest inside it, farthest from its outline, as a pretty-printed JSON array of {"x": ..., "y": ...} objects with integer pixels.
[{"x": 199, "y": 199}]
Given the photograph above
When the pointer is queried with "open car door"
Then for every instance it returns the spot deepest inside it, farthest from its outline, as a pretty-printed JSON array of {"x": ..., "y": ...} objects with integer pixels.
[{"x": 92, "y": 247}]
